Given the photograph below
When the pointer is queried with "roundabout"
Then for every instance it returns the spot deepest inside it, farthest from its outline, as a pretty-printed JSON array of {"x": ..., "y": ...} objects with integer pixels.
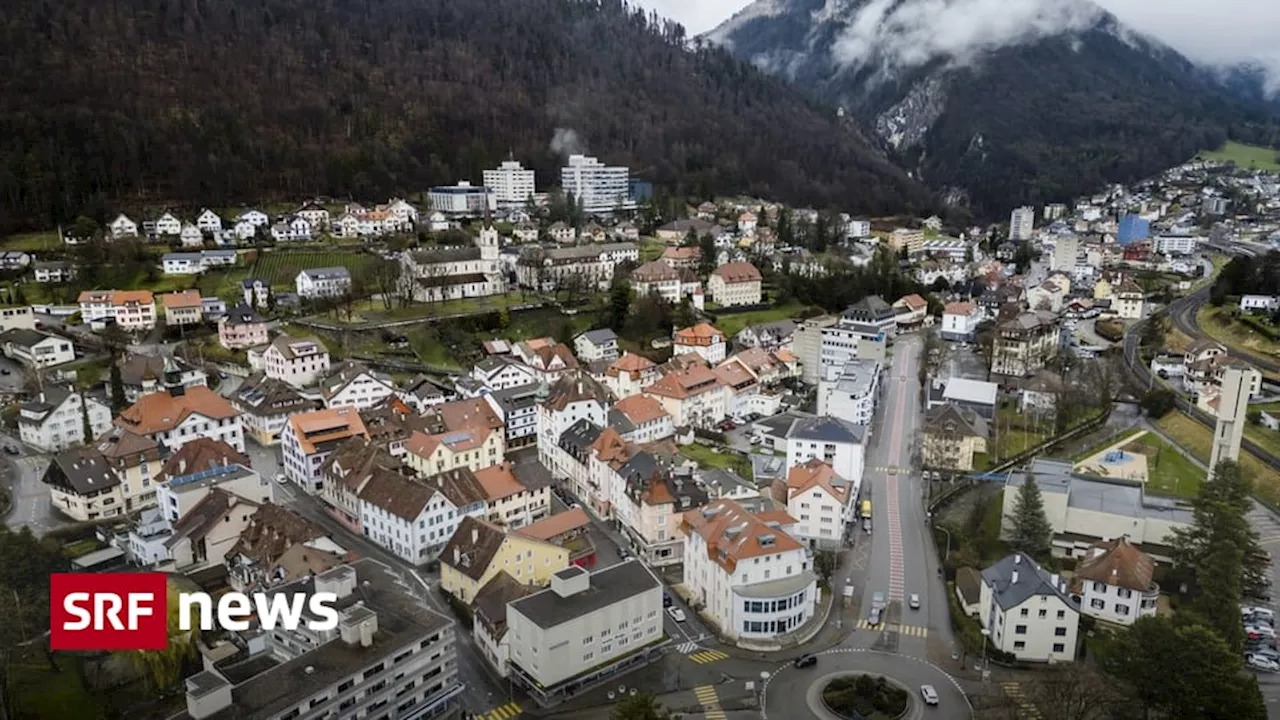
[{"x": 790, "y": 688}]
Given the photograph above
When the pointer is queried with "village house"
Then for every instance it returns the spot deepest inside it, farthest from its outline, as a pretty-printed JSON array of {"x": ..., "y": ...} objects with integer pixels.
[
  {"x": 179, "y": 415},
  {"x": 182, "y": 308},
  {"x": 242, "y": 328},
  {"x": 309, "y": 438},
  {"x": 736, "y": 283},
  {"x": 704, "y": 339},
  {"x": 323, "y": 282},
  {"x": 54, "y": 419},
  {"x": 630, "y": 374},
  {"x": 265, "y": 405},
  {"x": 301, "y": 362}
]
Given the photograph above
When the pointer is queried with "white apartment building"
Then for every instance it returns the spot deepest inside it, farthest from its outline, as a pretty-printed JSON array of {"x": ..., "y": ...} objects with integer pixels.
[
  {"x": 630, "y": 374},
  {"x": 1113, "y": 583},
  {"x": 1022, "y": 223},
  {"x": 834, "y": 441},
  {"x": 747, "y": 571},
  {"x": 641, "y": 419},
  {"x": 599, "y": 188},
  {"x": 36, "y": 349},
  {"x": 301, "y": 362},
  {"x": 692, "y": 397},
  {"x": 179, "y": 415},
  {"x": 83, "y": 486},
  {"x": 570, "y": 400},
  {"x": 390, "y": 656},
  {"x": 395, "y": 512},
  {"x": 1066, "y": 251},
  {"x": 351, "y": 384},
  {"x": 308, "y": 439},
  {"x": 822, "y": 503},
  {"x": 704, "y": 339},
  {"x": 584, "y": 622},
  {"x": 1027, "y": 611},
  {"x": 735, "y": 284},
  {"x": 511, "y": 184},
  {"x": 462, "y": 200},
  {"x": 1175, "y": 244},
  {"x": 323, "y": 282},
  {"x": 850, "y": 392},
  {"x": 54, "y": 419},
  {"x": 960, "y": 321},
  {"x": 596, "y": 345},
  {"x": 17, "y": 318},
  {"x": 131, "y": 309},
  {"x": 1259, "y": 303},
  {"x": 502, "y": 372}
]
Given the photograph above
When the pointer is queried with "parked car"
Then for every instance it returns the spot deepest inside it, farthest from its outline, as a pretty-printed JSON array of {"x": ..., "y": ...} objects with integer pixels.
[
  {"x": 866, "y": 526},
  {"x": 877, "y": 600},
  {"x": 805, "y": 661},
  {"x": 12, "y": 450},
  {"x": 914, "y": 601},
  {"x": 282, "y": 478},
  {"x": 667, "y": 601},
  {"x": 929, "y": 694},
  {"x": 1260, "y": 662},
  {"x": 873, "y": 618},
  {"x": 5, "y": 371},
  {"x": 676, "y": 614},
  {"x": 1258, "y": 612}
]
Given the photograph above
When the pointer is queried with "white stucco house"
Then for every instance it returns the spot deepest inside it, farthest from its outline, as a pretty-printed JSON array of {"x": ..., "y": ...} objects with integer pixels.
[{"x": 1027, "y": 611}]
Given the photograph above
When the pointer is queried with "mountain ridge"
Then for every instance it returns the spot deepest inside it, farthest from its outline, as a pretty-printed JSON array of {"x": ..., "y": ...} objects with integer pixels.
[
  {"x": 1071, "y": 101},
  {"x": 250, "y": 100}
]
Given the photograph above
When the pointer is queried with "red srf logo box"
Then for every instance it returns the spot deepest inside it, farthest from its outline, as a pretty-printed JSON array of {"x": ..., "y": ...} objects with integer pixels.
[{"x": 108, "y": 611}]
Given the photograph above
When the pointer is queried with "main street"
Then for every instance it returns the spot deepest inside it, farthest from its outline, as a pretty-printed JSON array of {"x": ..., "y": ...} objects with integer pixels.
[{"x": 902, "y": 560}]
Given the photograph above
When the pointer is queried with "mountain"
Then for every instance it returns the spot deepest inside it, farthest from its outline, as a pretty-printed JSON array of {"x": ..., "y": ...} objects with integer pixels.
[
  {"x": 142, "y": 103},
  {"x": 1001, "y": 103}
]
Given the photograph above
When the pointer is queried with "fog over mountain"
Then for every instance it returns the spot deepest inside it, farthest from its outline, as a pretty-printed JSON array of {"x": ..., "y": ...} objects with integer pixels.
[{"x": 1227, "y": 32}]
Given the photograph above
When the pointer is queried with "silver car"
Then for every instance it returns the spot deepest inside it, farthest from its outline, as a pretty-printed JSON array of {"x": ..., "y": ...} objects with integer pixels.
[{"x": 929, "y": 694}]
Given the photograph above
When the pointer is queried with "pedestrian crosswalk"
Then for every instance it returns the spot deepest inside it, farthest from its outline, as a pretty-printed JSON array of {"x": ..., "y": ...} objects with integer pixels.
[
  {"x": 1026, "y": 708},
  {"x": 502, "y": 712},
  {"x": 708, "y": 656},
  {"x": 687, "y": 647},
  {"x": 912, "y": 630},
  {"x": 709, "y": 701},
  {"x": 891, "y": 470}
]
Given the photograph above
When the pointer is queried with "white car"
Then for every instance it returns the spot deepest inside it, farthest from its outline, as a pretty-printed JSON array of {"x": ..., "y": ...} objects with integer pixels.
[
  {"x": 676, "y": 613},
  {"x": 914, "y": 602},
  {"x": 1262, "y": 663},
  {"x": 1264, "y": 630},
  {"x": 282, "y": 478},
  {"x": 929, "y": 694}
]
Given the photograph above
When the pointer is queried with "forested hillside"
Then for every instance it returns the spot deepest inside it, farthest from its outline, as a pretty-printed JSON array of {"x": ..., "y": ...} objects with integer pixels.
[{"x": 129, "y": 102}]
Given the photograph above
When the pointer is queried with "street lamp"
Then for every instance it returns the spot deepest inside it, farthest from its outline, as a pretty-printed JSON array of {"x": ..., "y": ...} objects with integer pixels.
[{"x": 985, "y": 634}]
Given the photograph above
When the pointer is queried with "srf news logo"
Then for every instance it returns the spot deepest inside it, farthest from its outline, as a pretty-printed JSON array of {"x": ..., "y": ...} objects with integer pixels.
[{"x": 130, "y": 611}]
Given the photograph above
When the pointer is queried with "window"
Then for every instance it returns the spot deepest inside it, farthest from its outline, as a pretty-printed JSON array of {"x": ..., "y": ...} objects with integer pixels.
[
  {"x": 1019, "y": 629},
  {"x": 1095, "y": 603},
  {"x": 1024, "y": 612},
  {"x": 586, "y": 657},
  {"x": 1059, "y": 647},
  {"x": 1019, "y": 645},
  {"x": 1062, "y": 614},
  {"x": 1060, "y": 632},
  {"x": 587, "y": 640},
  {"x": 1044, "y": 613},
  {"x": 1122, "y": 609}
]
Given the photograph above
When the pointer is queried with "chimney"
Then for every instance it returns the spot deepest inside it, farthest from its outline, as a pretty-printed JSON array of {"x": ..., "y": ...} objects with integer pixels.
[
  {"x": 457, "y": 556},
  {"x": 1014, "y": 580},
  {"x": 475, "y": 535}
]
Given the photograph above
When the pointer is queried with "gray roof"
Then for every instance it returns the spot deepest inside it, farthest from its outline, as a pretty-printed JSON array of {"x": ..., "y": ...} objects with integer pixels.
[
  {"x": 724, "y": 482},
  {"x": 461, "y": 253},
  {"x": 24, "y": 338},
  {"x": 780, "y": 425},
  {"x": 49, "y": 398},
  {"x": 190, "y": 257},
  {"x": 779, "y": 329},
  {"x": 826, "y": 429},
  {"x": 244, "y": 315},
  {"x": 620, "y": 422},
  {"x": 547, "y": 609},
  {"x": 869, "y": 309},
  {"x": 1109, "y": 495},
  {"x": 328, "y": 273},
  {"x": 83, "y": 470},
  {"x": 856, "y": 376},
  {"x": 971, "y": 391},
  {"x": 580, "y": 435},
  {"x": 600, "y": 336},
  {"x": 1017, "y": 577}
]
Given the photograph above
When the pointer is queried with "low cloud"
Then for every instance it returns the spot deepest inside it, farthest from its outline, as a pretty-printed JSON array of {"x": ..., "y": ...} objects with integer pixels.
[{"x": 566, "y": 142}]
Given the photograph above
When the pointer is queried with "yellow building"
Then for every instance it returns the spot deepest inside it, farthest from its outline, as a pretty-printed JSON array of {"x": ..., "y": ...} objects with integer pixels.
[
  {"x": 479, "y": 549},
  {"x": 475, "y": 448},
  {"x": 136, "y": 461},
  {"x": 952, "y": 436}
]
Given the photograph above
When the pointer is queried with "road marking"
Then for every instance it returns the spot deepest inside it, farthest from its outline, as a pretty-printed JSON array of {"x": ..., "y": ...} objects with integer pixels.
[
  {"x": 687, "y": 647},
  {"x": 503, "y": 712},
  {"x": 710, "y": 701},
  {"x": 706, "y": 657},
  {"x": 912, "y": 630},
  {"x": 896, "y": 572}
]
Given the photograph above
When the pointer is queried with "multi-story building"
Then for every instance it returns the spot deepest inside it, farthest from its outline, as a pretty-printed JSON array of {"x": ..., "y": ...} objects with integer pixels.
[
  {"x": 411, "y": 518},
  {"x": 145, "y": 374},
  {"x": 352, "y": 384},
  {"x": 179, "y": 415},
  {"x": 516, "y": 495},
  {"x": 299, "y": 362},
  {"x": 584, "y": 628},
  {"x": 136, "y": 461},
  {"x": 1025, "y": 343},
  {"x": 512, "y": 185},
  {"x": 1182, "y": 244},
  {"x": 474, "y": 448},
  {"x": 182, "y": 308},
  {"x": 1026, "y": 611},
  {"x": 1233, "y": 406},
  {"x": 390, "y": 656},
  {"x": 129, "y": 309},
  {"x": 630, "y": 375},
  {"x": 693, "y": 397},
  {"x": 953, "y": 435},
  {"x": 330, "y": 282},
  {"x": 822, "y": 503},
  {"x": 35, "y": 349},
  {"x": 735, "y": 283},
  {"x": 478, "y": 550},
  {"x": 309, "y": 438},
  {"x": 596, "y": 187},
  {"x": 17, "y": 318},
  {"x": 502, "y": 372},
  {"x": 704, "y": 339},
  {"x": 1022, "y": 223},
  {"x": 242, "y": 328},
  {"x": 747, "y": 571},
  {"x": 55, "y": 419},
  {"x": 1128, "y": 300},
  {"x": 1066, "y": 251},
  {"x": 850, "y": 392},
  {"x": 265, "y": 405},
  {"x": 594, "y": 345},
  {"x": 834, "y": 441},
  {"x": 463, "y": 200},
  {"x": 807, "y": 345},
  {"x": 1113, "y": 582},
  {"x": 591, "y": 266},
  {"x": 517, "y": 407},
  {"x": 657, "y": 278},
  {"x": 641, "y": 419},
  {"x": 83, "y": 486}
]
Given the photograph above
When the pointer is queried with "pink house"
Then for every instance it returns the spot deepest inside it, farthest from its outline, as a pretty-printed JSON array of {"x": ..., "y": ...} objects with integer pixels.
[{"x": 242, "y": 328}]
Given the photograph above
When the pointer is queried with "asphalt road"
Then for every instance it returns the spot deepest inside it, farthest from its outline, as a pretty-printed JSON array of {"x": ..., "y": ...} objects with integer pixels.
[
  {"x": 22, "y": 475},
  {"x": 794, "y": 693},
  {"x": 902, "y": 560}
]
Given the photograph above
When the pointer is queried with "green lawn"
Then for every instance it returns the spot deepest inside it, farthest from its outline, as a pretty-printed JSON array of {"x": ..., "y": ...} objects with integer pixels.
[
  {"x": 1245, "y": 156},
  {"x": 1169, "y": 472},
  {"x": 31, "y": 242},
  {"x": 651, "y": 249},
  {"x": 224, "y": 284},
  {"x": 38, "y": 692},
  {"x": 706, "y": 456},
  {"x": 1198, "y": 439},
  {"x": 374, "y": 310},
  {"x": 1219, "y": 324},
  {"x": 732, "y": 324},
  {"x": 1014, "y": 435},
  {"x": 431, "y": 351},
  {"x": 281, "y": 267}
]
